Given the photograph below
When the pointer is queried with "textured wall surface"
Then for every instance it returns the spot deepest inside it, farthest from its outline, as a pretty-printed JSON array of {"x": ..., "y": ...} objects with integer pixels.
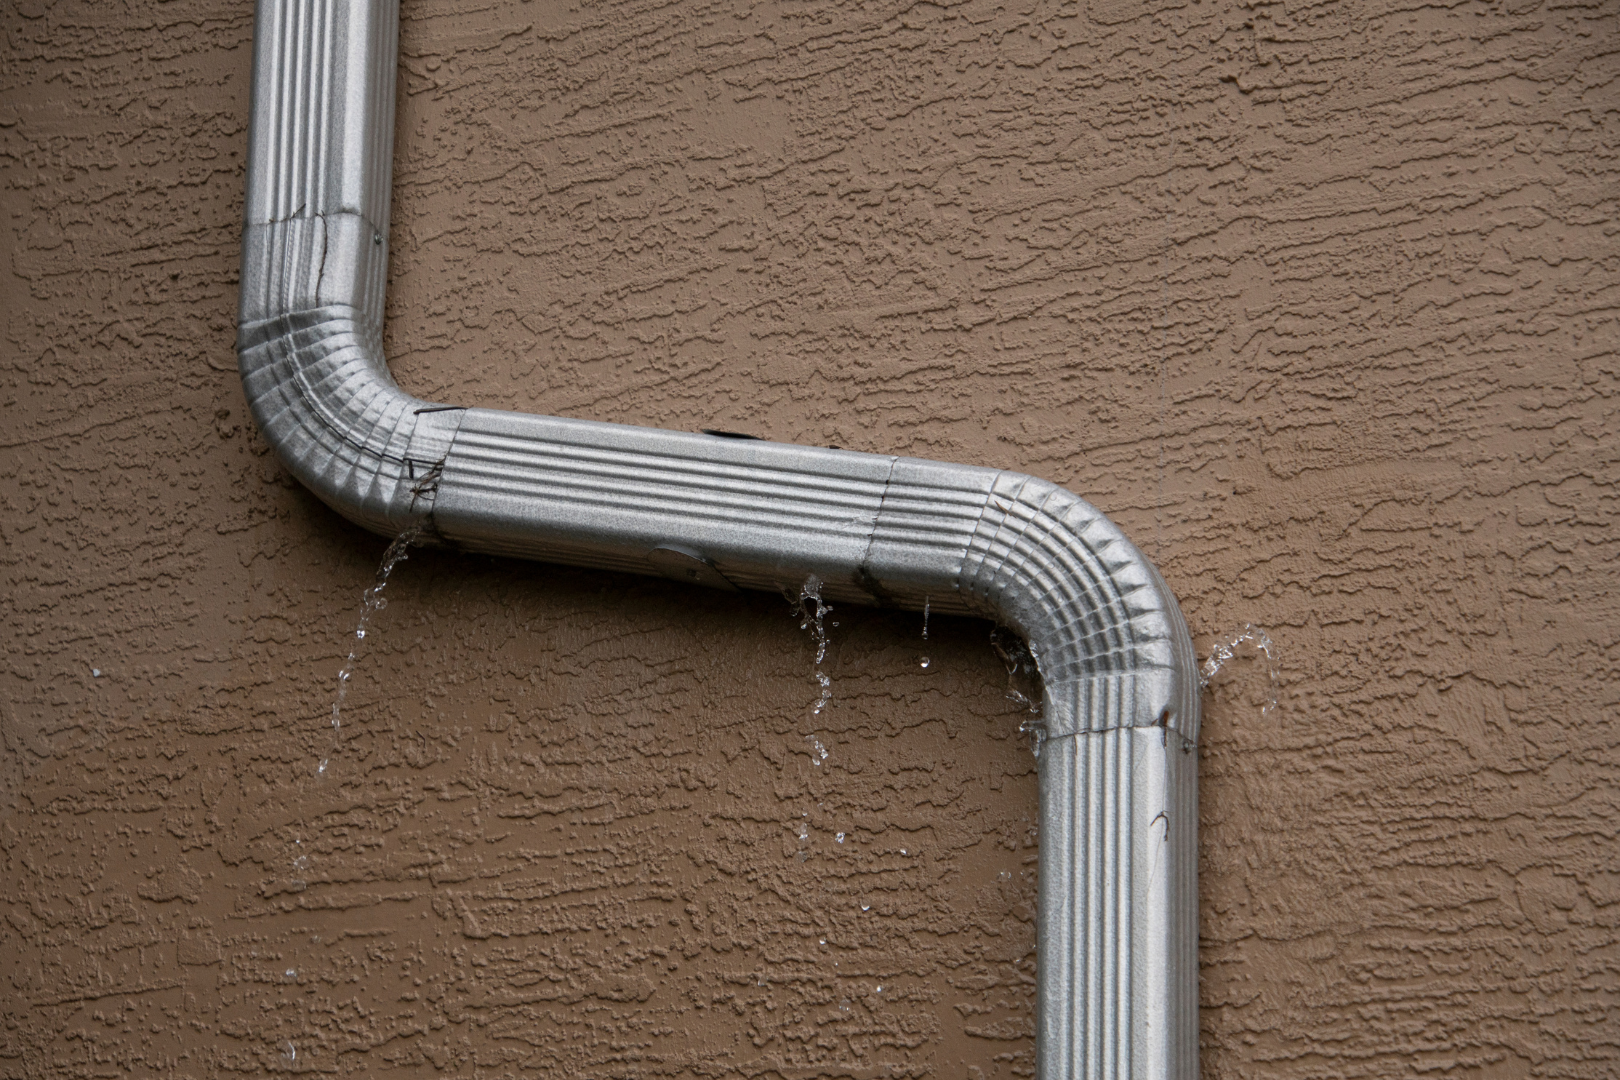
[{"x": 1318, "y": 301}]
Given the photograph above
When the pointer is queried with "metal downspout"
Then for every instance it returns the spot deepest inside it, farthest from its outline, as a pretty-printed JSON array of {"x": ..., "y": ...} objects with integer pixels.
[{"x": 1118, "y": 911}]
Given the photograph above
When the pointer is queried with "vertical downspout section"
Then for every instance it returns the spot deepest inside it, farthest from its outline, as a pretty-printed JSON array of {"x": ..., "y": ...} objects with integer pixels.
[{"x": 1118, "y": 769}]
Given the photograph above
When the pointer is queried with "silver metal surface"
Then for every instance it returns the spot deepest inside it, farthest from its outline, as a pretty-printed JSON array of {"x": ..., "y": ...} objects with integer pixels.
[{"x": 1118, "y": 770}]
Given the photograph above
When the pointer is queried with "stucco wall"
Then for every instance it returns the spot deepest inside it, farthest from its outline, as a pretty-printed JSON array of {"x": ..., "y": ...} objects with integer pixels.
[{"x": 1318, "y": 302}]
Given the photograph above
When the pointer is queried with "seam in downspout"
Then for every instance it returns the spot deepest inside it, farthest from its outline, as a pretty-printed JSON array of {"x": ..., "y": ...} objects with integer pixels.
[
  {"x": 864, "y": 575},
  {"x": 1117, "y": 918}
]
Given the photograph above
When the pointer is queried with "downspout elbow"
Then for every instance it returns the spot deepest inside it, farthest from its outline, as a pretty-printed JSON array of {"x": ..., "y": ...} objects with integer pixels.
[
  {"x": 315, "y": 265},
  {"x": 1105, "y": 630},
  {"x": 1118, "y": 910},
  {"x": 309, "y": 345}
]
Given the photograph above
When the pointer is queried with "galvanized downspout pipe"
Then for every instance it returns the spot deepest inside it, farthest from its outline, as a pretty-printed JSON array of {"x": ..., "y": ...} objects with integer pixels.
[{"x": 1118, "y": 911}]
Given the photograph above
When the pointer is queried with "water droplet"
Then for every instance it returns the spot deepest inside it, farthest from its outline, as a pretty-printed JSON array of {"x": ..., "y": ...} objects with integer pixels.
[
  {"x": 292, "y": 973},
  {"x": 824, "y": 941},
  {"x": 866, "y": 907},
  {"x": 880, "y": 989},
  {"x": 291, "y": 1053},
  {"x": 902, "y": 851},
  {"x": 924, "y": 662},
  {"x": 1035, "y": 728},
  {"x": 840, "y": 838}
]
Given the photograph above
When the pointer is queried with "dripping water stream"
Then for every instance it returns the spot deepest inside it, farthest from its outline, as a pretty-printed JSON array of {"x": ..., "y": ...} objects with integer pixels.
[
  {"x": 923, "y": 661},
  {"x": 372, "y": 601},
  {"x": 813, "y": 617},
  {"x": 812, "y": 611}
]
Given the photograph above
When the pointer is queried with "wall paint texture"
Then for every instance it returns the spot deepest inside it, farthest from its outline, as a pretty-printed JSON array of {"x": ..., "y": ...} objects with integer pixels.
[{"x": 1318, "y": 301}]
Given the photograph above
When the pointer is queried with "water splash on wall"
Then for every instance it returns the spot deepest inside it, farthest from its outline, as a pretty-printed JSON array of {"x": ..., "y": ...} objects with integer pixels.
[
  {"x": 1225, "y": 651},
  {"x": 372, "y": 601}
]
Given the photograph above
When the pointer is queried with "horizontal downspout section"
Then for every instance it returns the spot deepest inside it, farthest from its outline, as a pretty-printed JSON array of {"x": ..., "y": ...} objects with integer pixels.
[{"x": 1117, "y": 923}]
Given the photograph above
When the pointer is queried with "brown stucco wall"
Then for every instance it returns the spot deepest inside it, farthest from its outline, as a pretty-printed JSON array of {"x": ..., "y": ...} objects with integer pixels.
[{"x": 1318, "y": 302}]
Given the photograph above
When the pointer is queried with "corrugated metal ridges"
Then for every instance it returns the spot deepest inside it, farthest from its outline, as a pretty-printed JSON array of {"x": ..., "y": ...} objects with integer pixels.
[
  {"x": 377, "y": 29},
  {"x": 1102, "y": 627},
  {"x": 342, "y": 432},
  {"x": 1086, "y": 912},
  {"x": 323, "y": 109},
  {"x": 309, "y": 347},
  {"x": 761, "y": 512},
  {"x": 295, "y": 44},
  {"x": 598, "y": 474},
  {"x": 1118, "y": 912}
]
